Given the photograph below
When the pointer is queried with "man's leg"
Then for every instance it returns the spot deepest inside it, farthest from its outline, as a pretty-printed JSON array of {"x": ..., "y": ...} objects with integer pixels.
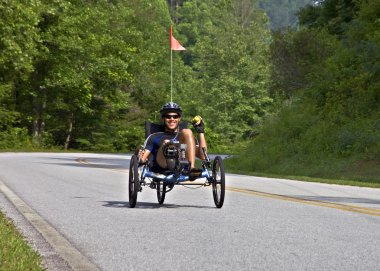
[
  {"x": 187, "y": 137},
  {"x": 161, "y": 160}
]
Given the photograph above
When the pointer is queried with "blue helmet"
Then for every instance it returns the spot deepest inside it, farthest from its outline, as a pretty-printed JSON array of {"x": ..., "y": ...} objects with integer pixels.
[{"x": 170, "y": 107}]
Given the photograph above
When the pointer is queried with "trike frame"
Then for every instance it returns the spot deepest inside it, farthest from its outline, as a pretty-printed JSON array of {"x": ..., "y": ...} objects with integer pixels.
[{"x": 140, "y": 175}]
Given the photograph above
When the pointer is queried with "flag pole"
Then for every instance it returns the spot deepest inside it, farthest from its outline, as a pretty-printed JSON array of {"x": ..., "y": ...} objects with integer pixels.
[
  {"x": 171, "y": 65},
  {"x": 171, "y": 75},
  {"x": 174, "y": 46}
]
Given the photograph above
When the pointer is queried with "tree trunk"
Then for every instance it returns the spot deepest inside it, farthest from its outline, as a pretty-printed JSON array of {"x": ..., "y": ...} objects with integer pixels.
[
  {"x": 39, "y": 107},
  {"x": 69, "y": 132}
]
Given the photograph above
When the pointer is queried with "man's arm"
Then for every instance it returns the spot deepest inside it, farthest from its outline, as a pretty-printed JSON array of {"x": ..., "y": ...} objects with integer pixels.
[
  {"x": 147, "y": 149},
  {"x": 202, "y": 144},
  {"x": 199, "y": 126},
  {"x": 143, "y": 155}
]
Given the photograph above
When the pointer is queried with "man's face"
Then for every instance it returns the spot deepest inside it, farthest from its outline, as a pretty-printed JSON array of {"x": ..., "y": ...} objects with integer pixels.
[{"x": 171, "y": 120}]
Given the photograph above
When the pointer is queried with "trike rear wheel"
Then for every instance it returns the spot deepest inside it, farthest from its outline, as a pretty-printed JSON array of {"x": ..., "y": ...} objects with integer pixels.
[
  {"x": 218, "y": 182},
  {"x": 134, "y": 181}
]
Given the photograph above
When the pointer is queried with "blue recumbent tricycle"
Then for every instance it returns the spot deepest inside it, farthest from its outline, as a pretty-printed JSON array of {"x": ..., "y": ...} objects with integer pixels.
[{"x": 163, "y": 181}]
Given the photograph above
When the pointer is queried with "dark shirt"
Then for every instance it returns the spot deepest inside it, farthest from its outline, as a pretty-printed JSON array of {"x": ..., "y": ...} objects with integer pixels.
[{"x": 155, "y": 141}]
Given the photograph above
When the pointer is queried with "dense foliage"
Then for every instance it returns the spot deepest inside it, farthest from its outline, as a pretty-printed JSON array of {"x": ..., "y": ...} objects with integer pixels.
[
  {"x": 86, "y": 74},
  {"x": 327, "y": 75},
  {"x": 228, "y": 52},
  {"x": 283, "y": 13}
]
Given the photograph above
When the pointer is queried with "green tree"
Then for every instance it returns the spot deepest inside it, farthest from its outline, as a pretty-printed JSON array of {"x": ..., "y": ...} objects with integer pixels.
[
  {"x": 283, "y": 13},
  {"x": 332, "y": 127},
  {"x": 83, "y": 72},
  {"x": 19, "y": 47},
  {"x": 229, "y": 55},
  {"x": 294, "y": 56},
  {"x": 333, "y": 15},
  {"x": 79, "y": 73},
  {"x": 151, "y": 64}
]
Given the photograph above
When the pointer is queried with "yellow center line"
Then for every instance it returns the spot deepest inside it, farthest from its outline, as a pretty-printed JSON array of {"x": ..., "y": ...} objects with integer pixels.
[
  {"x": 338, "y": 206},
  {"x": 343, "y": 207}
]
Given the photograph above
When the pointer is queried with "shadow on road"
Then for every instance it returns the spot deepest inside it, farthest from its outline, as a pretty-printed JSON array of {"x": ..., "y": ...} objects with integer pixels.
[
  {"x": 92, "y": 162},
  {"x": 150, "y": 205}
]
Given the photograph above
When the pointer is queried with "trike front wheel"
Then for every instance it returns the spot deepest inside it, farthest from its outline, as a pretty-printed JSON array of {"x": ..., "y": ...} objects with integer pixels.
[
  {"x": 218, "y": 182},
  {"x": 161, "y": 192},
  {"x": 134, "y": 182}
]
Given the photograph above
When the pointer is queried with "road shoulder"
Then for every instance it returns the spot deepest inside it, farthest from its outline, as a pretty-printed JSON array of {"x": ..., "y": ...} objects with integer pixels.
[{"x": 56, "y": 251}]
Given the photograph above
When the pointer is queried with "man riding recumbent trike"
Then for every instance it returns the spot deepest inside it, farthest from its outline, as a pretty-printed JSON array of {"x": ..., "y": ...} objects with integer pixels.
[{"x": 167, "y": 158}]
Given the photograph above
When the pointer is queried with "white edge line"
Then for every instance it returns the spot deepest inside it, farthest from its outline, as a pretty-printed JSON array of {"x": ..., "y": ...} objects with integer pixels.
[{"x": 60, "y": 244}]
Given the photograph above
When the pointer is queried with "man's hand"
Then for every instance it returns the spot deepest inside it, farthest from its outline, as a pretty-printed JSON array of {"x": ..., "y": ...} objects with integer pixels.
[
  {"x": 140, "y": 153},
  {"x": 143, "y": 156},
  {"x": 141, "y": 162},
  {"x": 198, "y": 124}
]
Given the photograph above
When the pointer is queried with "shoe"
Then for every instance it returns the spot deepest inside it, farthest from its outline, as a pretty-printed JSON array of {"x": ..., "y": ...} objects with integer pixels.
[{"x": 195, "y": 173}]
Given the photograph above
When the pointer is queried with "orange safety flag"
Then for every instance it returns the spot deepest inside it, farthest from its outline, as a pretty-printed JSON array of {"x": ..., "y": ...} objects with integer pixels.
[{"x": 174, "y": 44}]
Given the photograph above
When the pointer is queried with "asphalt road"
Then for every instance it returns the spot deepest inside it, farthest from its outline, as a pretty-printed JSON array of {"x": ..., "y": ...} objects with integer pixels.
[{"x": 81, "y": 200}]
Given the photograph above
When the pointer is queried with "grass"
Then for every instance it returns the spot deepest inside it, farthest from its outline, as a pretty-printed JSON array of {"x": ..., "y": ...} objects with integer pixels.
[
  {"x": 309, "y": 179},
  {"x": 15, "y": 253},
  {"x": 357, "y": 172}
]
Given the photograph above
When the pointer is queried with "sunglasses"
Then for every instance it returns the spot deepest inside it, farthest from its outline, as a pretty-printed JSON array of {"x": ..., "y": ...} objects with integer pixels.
[{"x": 171, "y": 116}]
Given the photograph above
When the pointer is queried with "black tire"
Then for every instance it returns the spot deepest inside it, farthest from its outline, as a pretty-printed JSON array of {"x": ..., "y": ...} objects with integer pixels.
[
  {"x": 161, "y": 192},
  {"x": 134, "y": 181},
  {"x": 218, "y": 182}
]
